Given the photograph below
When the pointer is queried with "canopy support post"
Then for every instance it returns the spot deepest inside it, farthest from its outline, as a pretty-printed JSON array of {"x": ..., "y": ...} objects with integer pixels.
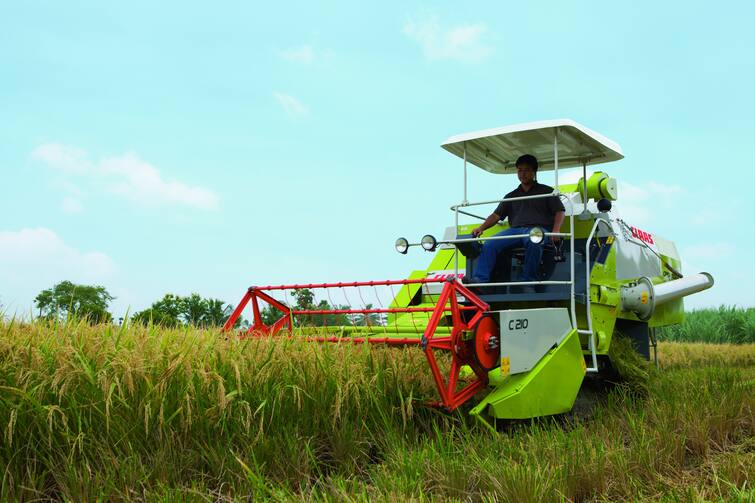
[
  {"x": 555, "y": 156},
  {"x": 584, "y": 185},
  {"x": 456, "y": 236},
  {"x": 465, "y": 201}
]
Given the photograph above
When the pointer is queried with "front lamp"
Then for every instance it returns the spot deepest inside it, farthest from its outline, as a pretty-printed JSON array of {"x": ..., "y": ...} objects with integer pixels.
[
  {"x": 428, "y": 242},
  {"x": 537, "y": 235},
  {"x": 402, "y": 245}
]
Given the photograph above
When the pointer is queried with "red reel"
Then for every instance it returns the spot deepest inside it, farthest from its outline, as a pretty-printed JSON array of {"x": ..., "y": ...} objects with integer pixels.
[{"x": 487, "y": 343}]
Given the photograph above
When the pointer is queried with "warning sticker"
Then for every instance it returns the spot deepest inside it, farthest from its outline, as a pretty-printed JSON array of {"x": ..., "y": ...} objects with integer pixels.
[{"x": 505, "y": 365}]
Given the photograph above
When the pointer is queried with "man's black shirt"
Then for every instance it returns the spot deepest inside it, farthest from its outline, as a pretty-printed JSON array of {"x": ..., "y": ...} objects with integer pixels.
[{"x": 530, "y": 212}]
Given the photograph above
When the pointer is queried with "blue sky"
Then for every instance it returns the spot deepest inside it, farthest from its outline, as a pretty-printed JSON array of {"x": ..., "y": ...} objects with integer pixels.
[{"x": 155, "y": 148}]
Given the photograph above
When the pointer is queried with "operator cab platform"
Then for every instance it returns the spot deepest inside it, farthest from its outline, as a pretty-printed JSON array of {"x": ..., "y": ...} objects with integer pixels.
[
  {"x": 554, "y": 266},
  {"x": 557, "y": 144}
]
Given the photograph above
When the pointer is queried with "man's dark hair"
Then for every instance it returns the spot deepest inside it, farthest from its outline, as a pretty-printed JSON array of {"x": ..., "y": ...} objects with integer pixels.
[{"x": 529, "y": 160}]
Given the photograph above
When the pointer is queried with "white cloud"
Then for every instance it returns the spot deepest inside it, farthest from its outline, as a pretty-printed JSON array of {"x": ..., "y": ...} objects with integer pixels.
[
  {"x": 71, "y": 188},
  {"x": 63, "y": 157},
  {"x": 722, "y": 260},
  {"x": 292, "y": 106},
  {"x": 462, "y": 43},
  {"x": 71, "y": 205},
  {"x": 302, "y": 54},
  {"x": 717, "y": 214},
  {"x": 126, "y": 175},
  {"x": 306, "y": 54},
  {"x": 141, "y": 182},
  {"x": 35, "y": 259},
  {"x": 660, "y": 189},
  {"x": 29, "y": 251},
  {"x": 641, "y": 204},
  {"x": 706, "y": 251}
]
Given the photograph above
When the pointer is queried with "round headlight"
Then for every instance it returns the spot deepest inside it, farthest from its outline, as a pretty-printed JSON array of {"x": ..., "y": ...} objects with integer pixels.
[
  {"x": 429, "y": 242},
  {"x": 402, "y": 245},
  {"x": 537, "y": 235}
]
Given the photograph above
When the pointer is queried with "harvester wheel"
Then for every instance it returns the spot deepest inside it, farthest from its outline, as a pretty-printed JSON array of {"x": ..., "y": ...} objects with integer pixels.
[{"x": 487, "y": 343}]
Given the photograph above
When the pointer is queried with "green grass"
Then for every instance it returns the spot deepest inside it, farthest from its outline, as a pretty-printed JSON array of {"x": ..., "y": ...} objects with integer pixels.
[
  {"x": 144, "y": 413},
  {"x": 732, "y": 325}
]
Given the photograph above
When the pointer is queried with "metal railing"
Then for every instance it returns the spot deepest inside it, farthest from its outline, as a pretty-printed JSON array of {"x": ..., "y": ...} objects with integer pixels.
[
  {"x": 445, "y": 331},
  {"x": 569, "y": 234},
  {"x": 588, "y": 306},
  {"x": 571, "y": 282}
]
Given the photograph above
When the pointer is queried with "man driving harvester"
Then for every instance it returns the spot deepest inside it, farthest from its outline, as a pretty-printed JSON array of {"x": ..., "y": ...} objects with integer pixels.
[{"x": 546, "y": 212}]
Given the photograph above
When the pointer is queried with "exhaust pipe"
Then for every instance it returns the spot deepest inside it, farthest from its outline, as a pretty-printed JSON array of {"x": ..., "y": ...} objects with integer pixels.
[{"x": 643, "y": 296}]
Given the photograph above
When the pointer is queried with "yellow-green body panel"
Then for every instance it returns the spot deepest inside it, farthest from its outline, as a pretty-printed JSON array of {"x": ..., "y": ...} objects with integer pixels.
[
  {"x": 552, "y": 385},
  {"x": 549, "y": 388}
]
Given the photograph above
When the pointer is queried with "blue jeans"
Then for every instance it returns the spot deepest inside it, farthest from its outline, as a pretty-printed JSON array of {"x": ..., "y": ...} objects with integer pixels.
[{"x": 490, "y": 250}]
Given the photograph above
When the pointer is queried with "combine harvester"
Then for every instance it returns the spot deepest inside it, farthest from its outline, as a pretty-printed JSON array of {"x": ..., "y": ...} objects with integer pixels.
[{"x": 526, "y": 345}]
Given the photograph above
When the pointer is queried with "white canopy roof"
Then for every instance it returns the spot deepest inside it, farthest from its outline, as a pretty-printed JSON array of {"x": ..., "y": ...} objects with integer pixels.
[{"x": 496, "y": 150}]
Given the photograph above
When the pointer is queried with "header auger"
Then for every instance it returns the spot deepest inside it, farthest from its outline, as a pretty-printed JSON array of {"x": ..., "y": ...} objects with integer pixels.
[{"x": 528, "y": 344}]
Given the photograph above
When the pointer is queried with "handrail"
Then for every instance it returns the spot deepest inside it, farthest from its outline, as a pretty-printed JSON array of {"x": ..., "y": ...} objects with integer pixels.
[
  {"x": 520, "y": 283},
  {"x": 498, "y": 238},
  {"x": 572, "y": 300},
  {"x": 589, "y": 332},
  {"x": 570, "y": 234},
  {"x": 509, "y": 199}
]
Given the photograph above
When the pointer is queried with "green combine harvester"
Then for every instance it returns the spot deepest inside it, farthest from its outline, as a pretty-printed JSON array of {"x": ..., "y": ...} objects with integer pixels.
[{"x": 522, "y": 348}]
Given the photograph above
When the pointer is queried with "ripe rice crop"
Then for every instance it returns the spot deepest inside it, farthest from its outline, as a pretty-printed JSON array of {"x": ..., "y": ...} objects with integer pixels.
[{"x": 144, "y": 413}]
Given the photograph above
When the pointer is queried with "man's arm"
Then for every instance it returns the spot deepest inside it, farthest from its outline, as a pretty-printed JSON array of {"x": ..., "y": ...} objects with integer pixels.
[
  {"x": 489, "y": 222},
  {"x": 557, "y": 221}
]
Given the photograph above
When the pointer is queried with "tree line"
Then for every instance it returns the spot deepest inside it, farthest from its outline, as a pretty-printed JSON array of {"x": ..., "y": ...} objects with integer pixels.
[{"x": 91, "y": 302}]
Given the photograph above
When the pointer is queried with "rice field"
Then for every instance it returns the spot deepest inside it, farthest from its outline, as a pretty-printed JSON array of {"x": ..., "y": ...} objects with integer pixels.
[{"x": 145, "y": 413}]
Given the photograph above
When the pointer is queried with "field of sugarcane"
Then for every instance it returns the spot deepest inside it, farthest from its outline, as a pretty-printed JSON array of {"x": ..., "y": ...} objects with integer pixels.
[
  {"x": 730, "y": 325},
  {"x": 145, "y": 413}
]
